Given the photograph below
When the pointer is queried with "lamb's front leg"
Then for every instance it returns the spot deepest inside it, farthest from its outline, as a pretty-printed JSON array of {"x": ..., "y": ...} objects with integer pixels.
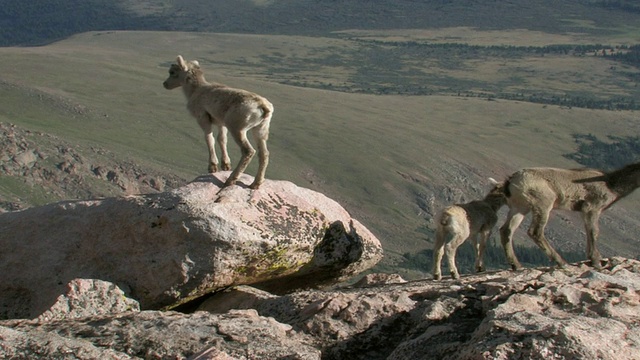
[
  {"x": 247, "y": 153},
  {"x": 224, "y": 154},
  {"x": 205, "y": 123}
]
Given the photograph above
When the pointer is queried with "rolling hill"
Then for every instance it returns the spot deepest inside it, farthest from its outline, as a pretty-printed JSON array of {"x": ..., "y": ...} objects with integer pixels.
[{"x": 392, "y": 123}]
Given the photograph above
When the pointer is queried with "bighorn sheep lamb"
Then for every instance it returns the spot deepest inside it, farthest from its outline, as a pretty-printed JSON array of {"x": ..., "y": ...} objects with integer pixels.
[
  {"x": 458, "y": 222},
  {"x": 540, "y": 190},
  {"x": 227, "y": 108}
]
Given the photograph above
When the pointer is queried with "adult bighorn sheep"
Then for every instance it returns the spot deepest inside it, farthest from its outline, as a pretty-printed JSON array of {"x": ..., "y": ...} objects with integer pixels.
[
  {"x": 540, "y": 190},
  {"x": 237, "y": 110},
  {"x": 458, "y": 222}
]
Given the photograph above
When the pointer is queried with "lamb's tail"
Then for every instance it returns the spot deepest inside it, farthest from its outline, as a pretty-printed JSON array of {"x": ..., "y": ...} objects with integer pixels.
[
  {"x": 267, "y": 110},
  {"x": 445, "y": 219}
]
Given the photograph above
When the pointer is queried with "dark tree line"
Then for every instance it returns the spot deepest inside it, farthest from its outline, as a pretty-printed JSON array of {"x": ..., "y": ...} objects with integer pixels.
[
  {"x": 613, "y": 154},
  {"x": 625, "y": 5},
  {"x": 505, "y": 51},
  {"x": 630, "y": 56}
]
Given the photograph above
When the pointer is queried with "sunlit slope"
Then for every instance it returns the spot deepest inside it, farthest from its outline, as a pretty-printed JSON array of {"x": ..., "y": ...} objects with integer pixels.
[{"x": 393, "y": 161}]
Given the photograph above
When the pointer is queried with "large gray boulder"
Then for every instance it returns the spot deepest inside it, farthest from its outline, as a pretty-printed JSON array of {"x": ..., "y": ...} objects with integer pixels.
[{"x": 168, "y": 248}]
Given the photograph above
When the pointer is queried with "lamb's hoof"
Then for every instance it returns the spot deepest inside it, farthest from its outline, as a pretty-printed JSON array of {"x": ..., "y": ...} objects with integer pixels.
[
  {"x": 455, "y": 276},
  {"x": 255, "y": 185},
  {"x": 516, "y": 267},
  {"x": 597, "y": 264},
  {"x": 226, "y": 167},
  {"x": 437, "y": 277},
  {"x": 213, "y": 168},
  {"x": 480, "y": 269}
]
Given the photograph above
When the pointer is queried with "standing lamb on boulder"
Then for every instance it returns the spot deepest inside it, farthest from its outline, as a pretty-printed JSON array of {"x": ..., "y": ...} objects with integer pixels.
[
  {"x": 540, "y": 190},
  {"x": 227, "y": 108},
  {"x": 458, "y": 222}
]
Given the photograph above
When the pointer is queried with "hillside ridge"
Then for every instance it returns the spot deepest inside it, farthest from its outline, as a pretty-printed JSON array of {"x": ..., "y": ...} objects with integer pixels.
[{"x": 306, "y": 17}]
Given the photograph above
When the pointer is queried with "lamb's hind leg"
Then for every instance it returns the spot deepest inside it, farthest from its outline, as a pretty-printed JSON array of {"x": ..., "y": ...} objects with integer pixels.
[
  {"x": 480, "y": 247},
  {"x": 450, "y": 249},
  {"x": 592, "y": 229},
  {"x": 261, "y": 135},
  {"x": 514, "y": 219},
  {"x": 247, "y": 153},
  {"x": 438, "y": 252},
  {"x": 539, "y": 219}
]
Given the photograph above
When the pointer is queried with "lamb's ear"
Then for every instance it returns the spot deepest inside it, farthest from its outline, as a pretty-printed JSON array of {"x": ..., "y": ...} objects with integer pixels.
[
  {"x": 181, "y": 63},
  {"x": 493, "y": 181},
  {"x": 195, "y": 64}
]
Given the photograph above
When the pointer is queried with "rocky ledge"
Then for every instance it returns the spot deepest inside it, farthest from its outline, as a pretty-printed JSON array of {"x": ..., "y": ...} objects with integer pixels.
[{"x": 544, "y": 313}]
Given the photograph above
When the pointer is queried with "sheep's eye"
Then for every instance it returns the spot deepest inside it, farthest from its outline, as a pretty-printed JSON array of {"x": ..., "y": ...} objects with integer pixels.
[{"x": 172, "y": 73}]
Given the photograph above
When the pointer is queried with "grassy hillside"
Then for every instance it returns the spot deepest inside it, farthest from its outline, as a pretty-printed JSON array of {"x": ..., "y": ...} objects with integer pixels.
[{"x": 391, "y": 160}]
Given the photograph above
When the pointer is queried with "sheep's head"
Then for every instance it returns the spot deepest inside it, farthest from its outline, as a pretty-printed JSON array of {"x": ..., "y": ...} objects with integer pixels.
[
  {"x": 496, "y": 196},
  {"x": 182, "y": 73}
]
